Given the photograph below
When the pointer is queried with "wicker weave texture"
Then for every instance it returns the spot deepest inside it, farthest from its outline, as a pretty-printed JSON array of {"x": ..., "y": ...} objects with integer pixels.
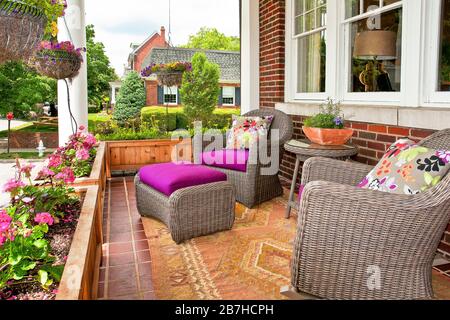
[
  {"x": 347, "y": 234},
  {"x": 190, "y": 212}
]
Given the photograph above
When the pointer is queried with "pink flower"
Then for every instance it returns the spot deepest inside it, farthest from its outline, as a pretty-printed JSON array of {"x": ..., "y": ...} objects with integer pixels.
[
  {"x": 444, "y": 156},
  {"x": 27, "y": 200},
  {"x": 5, "y": 221},
  {"x": 2, "y": 239},
  {"x": 26, "y": 169},
  {"x": 82, "y": 154},
  {"x": 44, "y": 218},
  {"x": 66, "y": 175},
  {"x": 12, "y": 186},
  {"x": 90, "y": 141},
  {"x": 54, "y": 161},
  {"x": 45, "y": 173},
  {"x": 82, "y": 128}
]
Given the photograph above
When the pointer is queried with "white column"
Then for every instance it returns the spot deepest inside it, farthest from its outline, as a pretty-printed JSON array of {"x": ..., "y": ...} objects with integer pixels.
[
  {"x": 249, "y": 55},
  {"x": 75, "y": 19},
  {"x": 113, "y": 94}
]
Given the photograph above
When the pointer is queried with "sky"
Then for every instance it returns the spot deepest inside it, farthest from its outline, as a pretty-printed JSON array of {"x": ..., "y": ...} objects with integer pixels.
[{"x": 120, "y": 23}]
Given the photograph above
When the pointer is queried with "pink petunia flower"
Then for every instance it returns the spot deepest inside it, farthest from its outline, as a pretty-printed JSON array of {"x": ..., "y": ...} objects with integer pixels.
[
  {"x": 44, "y": 218},
  {"x": 5, "y": 221}
]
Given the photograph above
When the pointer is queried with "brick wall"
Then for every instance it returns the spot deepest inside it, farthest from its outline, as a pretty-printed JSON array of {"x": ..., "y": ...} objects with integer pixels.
[
  {"x": 157, "y": 41},
  {"x": 272, "y": 51}
]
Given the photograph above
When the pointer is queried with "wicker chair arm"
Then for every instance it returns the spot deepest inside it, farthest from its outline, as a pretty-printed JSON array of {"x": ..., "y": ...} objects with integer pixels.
[{"x": 324, "y": 169}]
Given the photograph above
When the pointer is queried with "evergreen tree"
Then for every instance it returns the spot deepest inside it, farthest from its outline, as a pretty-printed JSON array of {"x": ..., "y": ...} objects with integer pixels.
[{"x": 131, "y": 99}]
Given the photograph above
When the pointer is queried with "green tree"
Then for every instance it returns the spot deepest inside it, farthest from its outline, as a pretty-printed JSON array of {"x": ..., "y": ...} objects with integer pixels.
[
  {"x": 131, "y": 99},
  {"x": 100, "y": 72},
  {"x": 21, "y": 88},
  {"x": 200, "y": 89},
  {"x": 212, "y": 39}
]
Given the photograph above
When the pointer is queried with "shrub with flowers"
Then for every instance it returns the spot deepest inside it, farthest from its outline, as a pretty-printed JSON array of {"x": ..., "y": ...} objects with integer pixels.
[
  {"x": 74, "y": 160},
  {"x": 29, "y": 231},
  {"x": 174, "y": 67}
]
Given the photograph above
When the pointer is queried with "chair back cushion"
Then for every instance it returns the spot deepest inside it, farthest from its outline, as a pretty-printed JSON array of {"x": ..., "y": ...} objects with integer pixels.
[
  {"x": 235, "y": 160},
  {"x": 408, "y": 168},
  {"x": 247, "y": 131}
]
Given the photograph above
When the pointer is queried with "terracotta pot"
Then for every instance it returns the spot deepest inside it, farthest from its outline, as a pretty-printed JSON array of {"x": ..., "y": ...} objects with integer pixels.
[{"x": 328, "y": 137}]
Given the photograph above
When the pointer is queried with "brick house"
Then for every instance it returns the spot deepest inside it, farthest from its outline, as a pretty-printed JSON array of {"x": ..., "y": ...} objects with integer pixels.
[
  {"x": 141, "y": 51},
  {"x": 230, "y": 75},
  {"x": 296, "y": 53}
]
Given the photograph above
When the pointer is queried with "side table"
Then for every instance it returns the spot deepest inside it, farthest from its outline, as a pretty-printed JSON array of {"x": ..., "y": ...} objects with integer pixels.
[{"x": 305, "y": 149}]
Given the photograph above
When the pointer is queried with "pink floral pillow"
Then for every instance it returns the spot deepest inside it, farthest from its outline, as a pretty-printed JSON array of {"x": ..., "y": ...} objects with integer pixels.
[
  {"x": 408, "y": 168},
  {"x": 247, "y": 131}
]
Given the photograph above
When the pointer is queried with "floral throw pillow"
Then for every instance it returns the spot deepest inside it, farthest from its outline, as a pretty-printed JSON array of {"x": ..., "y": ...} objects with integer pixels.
[
  {"x": 247, "y": 131},
  {"x": 408, "y": 168}
]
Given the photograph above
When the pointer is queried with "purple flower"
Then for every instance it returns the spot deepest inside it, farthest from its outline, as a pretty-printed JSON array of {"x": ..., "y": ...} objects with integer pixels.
[
  {"x": 444, "y": 156},
  {"x": 338, "y": 121}
]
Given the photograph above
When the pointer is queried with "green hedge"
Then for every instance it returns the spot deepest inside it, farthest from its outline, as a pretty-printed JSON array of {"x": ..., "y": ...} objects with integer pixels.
[{"x": 177, "y": 119}]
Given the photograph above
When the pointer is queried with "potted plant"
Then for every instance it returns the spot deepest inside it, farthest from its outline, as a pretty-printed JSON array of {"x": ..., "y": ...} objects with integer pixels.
[
  {"x": 58, "y": 60},
  {"x": 170, "y": 74},
  {"x": 327, "y": 127},
  {"x": 40, "y": 16}
]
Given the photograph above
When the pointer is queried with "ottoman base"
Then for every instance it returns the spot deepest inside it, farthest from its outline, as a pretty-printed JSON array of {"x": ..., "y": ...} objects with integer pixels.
[{"x": 191, "y": 212}]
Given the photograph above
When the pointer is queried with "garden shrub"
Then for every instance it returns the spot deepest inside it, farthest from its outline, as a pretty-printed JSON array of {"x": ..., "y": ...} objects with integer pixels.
[
  {"x": 94, "y": 109},
  {"x": 200, "y": 89},
  {"x": 131, "y": 99},
  {"x": 159, "y": 119}
]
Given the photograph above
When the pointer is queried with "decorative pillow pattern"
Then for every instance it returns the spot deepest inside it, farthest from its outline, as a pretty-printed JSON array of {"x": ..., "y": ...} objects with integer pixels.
[
  {"x": 408, "y": 168},
  {"x": 247, "y": 131}
]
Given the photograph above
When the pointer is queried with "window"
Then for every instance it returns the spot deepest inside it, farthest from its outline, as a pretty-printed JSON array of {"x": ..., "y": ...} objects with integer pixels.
[
  {"x": 444, "y": 52},
  {"x": 375, "y": 46},
  {"x": 310, "y": 37},
  {"x": 170, "y": 95},
  {"x": 228, "y": 96}
]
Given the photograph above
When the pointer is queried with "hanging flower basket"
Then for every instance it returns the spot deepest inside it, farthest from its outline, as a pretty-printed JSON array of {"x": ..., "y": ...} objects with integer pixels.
[
  {"x": 170, "y": 75},
  {"x": 22, "y": 27},
  {"x": 58, "y": 60}
]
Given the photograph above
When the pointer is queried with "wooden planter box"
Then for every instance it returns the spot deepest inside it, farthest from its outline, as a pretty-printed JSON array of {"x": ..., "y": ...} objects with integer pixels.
[
  {"x": 132, "y": 155},
  {"x": 98, "y": 173},
  {"x": 81, "y": 273}
]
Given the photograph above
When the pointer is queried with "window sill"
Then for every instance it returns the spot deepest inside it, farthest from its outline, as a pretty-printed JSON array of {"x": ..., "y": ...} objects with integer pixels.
[{"x": 423, "y": 117}]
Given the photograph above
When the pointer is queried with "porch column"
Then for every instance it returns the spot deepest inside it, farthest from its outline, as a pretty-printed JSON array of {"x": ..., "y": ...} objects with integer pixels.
[
  {"x": 76, "y": 32},
  {"x": 249, "y": 55}
]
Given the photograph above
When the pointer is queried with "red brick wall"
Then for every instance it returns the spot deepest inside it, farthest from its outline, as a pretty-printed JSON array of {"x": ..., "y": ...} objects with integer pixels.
[
  {"x": 157, "y": 41},
  {"x": 272, "y": 51},
  {"x": 28, "y": 140},
  {"x": 151, "y": 88}
]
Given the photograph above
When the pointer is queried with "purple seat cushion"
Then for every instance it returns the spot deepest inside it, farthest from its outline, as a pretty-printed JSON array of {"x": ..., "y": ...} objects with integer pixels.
[
  {"x": 170, "y": 177},
  {"x": 235, "y": 160},
  {"x": 300, "y": 192}
]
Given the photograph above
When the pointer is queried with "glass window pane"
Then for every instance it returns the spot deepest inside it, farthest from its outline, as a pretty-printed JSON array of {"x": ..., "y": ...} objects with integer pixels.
[
  {"x": 299, "y": 7},
  {"x": 444, "y": 67},
  {"x": 228, "y": 92},
  {"x": 311, "y": 63},
  {"x": 299, "y": 27},
  {"x": 310, "y": 21},
  {"x": 376, "y": 53},
  {"x": 321, "y": 17},
  {"x": 354, "y": 8}
]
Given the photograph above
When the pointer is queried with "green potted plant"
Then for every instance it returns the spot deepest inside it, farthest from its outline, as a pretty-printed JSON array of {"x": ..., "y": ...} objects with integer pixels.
[
  {"x": 169, "y": 74},
  {"x": 40, "y": 17},
  {"x": 327, "y": 127}
]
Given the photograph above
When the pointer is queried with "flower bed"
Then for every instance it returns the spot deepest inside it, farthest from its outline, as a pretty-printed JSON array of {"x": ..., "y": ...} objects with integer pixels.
[{"x": 36, "y": 233}]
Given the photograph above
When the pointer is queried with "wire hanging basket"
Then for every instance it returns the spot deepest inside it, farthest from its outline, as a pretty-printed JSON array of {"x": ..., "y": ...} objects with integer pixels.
[
  {"x": 57, "y": 64},
  {"x": 22, "y": 28},
  {"x": 170, "y": 78}
]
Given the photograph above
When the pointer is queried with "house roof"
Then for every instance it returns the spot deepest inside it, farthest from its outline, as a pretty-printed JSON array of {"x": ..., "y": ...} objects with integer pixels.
[{"x": 228, "y": 61}]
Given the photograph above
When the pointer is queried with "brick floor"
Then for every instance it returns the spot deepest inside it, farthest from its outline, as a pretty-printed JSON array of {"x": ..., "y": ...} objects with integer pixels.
[{"x": 125, "y": 273}]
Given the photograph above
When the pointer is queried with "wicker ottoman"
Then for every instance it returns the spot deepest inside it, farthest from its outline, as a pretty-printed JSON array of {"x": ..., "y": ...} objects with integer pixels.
[{"x": 190, "y": 200}]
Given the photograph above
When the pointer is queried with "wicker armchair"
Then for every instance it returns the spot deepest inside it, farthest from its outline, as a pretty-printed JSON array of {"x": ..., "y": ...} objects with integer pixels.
[
  {"x": 252, "y": 188},
  {"x": 346, "y": 234}
]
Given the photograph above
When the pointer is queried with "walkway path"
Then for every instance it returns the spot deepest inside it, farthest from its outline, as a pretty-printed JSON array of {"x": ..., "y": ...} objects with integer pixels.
[{"x": 14, "y": 124}]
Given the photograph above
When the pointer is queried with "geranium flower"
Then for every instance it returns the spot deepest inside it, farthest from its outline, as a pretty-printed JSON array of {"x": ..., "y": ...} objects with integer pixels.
[
  {"x": 12, "y": 185},
  {"x": 82, "y": 154},
  {"x": 44, "y": 218},
  {"x": 46, "y": 173},
  {"x": 27, "y": 200},
  {"x": 2, "y": 239},
  {"x": 54, "y": 161},
  {"x": 66, "y": 175},
  {"x": 90, "y": 141},
  {"x": 444, "y": 156},
  {"x": 26, "y": 169},
  {"x": 5, "y": 221}
]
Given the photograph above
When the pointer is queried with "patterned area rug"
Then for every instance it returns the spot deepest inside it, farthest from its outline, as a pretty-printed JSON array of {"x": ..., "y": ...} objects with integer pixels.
[{"x": 251, "y": 262}]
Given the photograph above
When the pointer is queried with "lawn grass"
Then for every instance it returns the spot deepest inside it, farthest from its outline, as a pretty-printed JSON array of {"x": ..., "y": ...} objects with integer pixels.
[{"x": 22, "y": 155}]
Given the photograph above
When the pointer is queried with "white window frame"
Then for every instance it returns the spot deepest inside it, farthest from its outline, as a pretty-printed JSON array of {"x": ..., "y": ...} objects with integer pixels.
[
  {"x": 432, "y": 96},
  {"x": 173, "y": 92},
  {"x": 420, "y": 58},
  {"x": 233, "y": 96}
]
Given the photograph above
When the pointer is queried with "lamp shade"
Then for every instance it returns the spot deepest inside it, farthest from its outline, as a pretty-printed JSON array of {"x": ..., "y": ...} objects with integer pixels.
[{"x": 378, "y": 44}]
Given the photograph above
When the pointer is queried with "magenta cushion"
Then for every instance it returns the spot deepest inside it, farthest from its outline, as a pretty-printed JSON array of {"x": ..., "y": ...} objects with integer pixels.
[
  {"x": 235, "y": 160},
  {"x": 170, "y": 177},
  {"x": 300, "y": 192}
]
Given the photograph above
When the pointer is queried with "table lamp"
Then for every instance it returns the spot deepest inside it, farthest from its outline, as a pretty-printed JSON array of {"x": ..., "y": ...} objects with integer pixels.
[{"x": 376, "y": 46}]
